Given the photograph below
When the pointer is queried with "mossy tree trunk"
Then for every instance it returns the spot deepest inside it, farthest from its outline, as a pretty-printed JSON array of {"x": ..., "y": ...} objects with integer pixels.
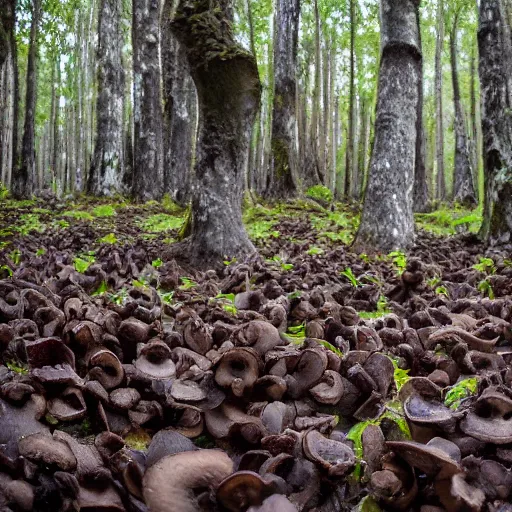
[
  {"x": 387, "y": 221},
  {"x": 440, "y": 177},
  {"x": 180, "y": 124},
  {"x": 228, "y": 89},
  {"x": 495, "y": 68},
  {"x": 148, "y": 142},
  {"x": 463, "y": 186},
  {"x": 23, "y": 182},
  {"x": 107, "y": 165},
  {"x": 283, "y": 163}
]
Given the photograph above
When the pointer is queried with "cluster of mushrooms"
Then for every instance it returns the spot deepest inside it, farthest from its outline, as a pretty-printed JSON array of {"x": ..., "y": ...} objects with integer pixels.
[{"x": 273, "y": 412}]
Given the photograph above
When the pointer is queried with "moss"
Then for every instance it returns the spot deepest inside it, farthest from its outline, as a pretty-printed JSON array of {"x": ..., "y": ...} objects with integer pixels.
[{"x": 138, "y": 439}]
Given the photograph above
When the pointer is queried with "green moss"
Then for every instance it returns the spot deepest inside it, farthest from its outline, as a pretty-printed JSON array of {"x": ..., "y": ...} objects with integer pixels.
[
  {"x": 104, "y": 210},
  {"x": 138, "y": 439},
  {"x": 463, "y": 389},
  {"x": 161, "y": 222},
  {"x": 17, "y": 367},
  {"x": 78, "y": 215},
  {"x": 321, "y": 193}
]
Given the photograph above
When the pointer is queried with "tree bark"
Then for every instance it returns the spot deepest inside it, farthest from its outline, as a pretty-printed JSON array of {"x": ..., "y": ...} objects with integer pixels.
[
  {"x": 441, "y": 178},
  {"x": 228, "y": 88},
  {"x": 283, "y": 172},
  {"x": 349, "y": 157},
  {"x": 7, "y": 24},
  {"x": 387, "y": 221},
  {"x": 24, "y": 178},
  {"x": 463, "y": 186},
  {"x": 420, "y": 193},
  {"x": 473, "y": 141},
  {"x": 148, "y": 165},
  {"x": 180, "y": 113},
  {"x": 107, "y": 166},
  {"x": 495, "y": 68}
]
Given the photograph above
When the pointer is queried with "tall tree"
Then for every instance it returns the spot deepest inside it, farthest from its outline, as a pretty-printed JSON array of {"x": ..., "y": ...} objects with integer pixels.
[
  {"x": 228, "y": 89},
  {"x": 463, "y": 186},
  {"x": 24, "y": 177},
  {"x": 179, "y": 112},
  {"x": 148, "y": 140},
  {"x": 387, "y": 221},
  {"x": 7, "y": 20},
  {"x": 349, "y": 156},
  {"x": 420, "y": 192},
  {"x": 495, "y": 68},
  {"x": 107, "y": 166},
  {"x": 441, "y": 178},
  {"x": 283, "y": 171}
]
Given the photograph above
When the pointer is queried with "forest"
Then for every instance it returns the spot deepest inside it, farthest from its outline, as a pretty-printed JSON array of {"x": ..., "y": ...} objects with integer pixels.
[{"x": 255, "y": 255}]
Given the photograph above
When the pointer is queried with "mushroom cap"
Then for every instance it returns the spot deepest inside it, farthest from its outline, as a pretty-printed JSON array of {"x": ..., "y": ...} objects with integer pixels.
[
  {"x": 329, "y": 390},
  {"x": 187, "y": 391},
  {"x": 43, "y": 448},
  {"x": 167, "y": 442},
  {"x": 238, "y": 369},
  {"x": 276, "y": 502},
  {"x": 49, "y": 352},
  {"x": 124, "y": 398},
  {"x": 428, "y": 459},
  {"x": 169, "y": 485},
  {"x": 421, "y": 411},
  {"x": 490, "y": 420},
  {"x": 106, "y": 368},
  {"x": 241, "y": 490},
  {"x": 70, "y": 406},
  {"x": 155, "y": 361},
  {"x": 332, "y": 455}
]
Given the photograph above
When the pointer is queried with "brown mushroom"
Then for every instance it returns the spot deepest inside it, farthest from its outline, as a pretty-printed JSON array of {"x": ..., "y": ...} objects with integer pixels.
[
  {"x": 69, "y": 406},
  {"x": 155, "y": 361},
  {"x": 169, "y": 484},
  {"x": 49, "y": 352},
  {"x": 105, "y": 367},
  {"x": 241, "y": 490},
  {"x": 43, "y": 448},
  {"x": 329, "y": 390},
  {"x": 124, "y": 398},
  {"x": 238, "y": 369}
]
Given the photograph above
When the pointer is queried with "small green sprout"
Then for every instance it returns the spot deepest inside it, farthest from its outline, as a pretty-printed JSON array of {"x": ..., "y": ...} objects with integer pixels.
[{"x": 354, "y": 281}]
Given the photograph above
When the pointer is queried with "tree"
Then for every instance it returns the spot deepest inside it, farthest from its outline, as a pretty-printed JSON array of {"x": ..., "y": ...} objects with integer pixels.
[
  {"x": 441, "y": 178},
  {"x": 25, "y": 174},
  {"x": 179, "y": 112},
  {"x": 420, "y": 193},
  {"x": 351, "y": 108},
  {"x": 148, "y": 142},
  {"x": 387, "y": 221},
  {"x": 283, "y": 170},
  {"x": 228, "y": 89},
  {"x": 495, "y": 69},
  {"x": 107, "y": 165},
  {"x": 463, "y": 186},
  {"x": 7, "y": 20}
]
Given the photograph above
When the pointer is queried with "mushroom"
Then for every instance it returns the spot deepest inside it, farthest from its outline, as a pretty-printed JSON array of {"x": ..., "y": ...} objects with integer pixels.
[
  {"x": 490, "y": 420},
  {"x": 260, "y": 335},
  {"x": 43, "y": 448},
  {"x": 169, "y": 484},
  {"x": 105, "y": 367},
  {"x": 124, "y": 398},
  {"x": 70, "y": 406},
  {"x": 453, "y": 335},
  {"x": 310, "y": 369},
  {"x": 49, "y": 352},
  {"x": 238, "y": 369},
  {"x": 167, "y": 442},
  {"x": 335, "y": 457},
  {"x": 155, "y": 361},
  {"x": 273, "y": 503},
  {"x": 329, "y": 390}
]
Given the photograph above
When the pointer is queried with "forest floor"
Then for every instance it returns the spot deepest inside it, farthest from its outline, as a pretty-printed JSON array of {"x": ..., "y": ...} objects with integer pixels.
[{"x": 301, "y": 351}]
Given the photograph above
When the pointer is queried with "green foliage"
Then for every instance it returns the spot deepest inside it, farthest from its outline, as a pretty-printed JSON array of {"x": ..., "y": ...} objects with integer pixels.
[
  {"x": 463, "y": 389},
  {"x": 119, "y": 297},
  {"x": 367, "y": 504},
  {"x": 41, "y": 251},
  {"x": 104, "y": 210},
  {"x": 447, "y": 222},
  {"x": 15, "y": 256},
  {"x": 400, "y": 375},
  {"x": 227, "y": 302},
  {"x": 354, "y": 281},
  {"x": 102, "y": 288},
  {"x": 486, "y": 266},
  {"x": 29, "y": 222},
  {"x": 485, "y": 288},
  {"x": 108, "y": 239},
  {"x": 315, "y": 251},
  {"x": 382, "y": 310},
  {"x": 399, "y": 259},
  {"x": 280, "y": 261},
  {"x": 83, "y": 262},
  {"x": 4, "y": 192},
  {"x": 78, "y": 215},
  {"x": 187, "y": 283},
  {"x": 166, "y": 297},
  {"x": 157, "y": 263},
  {"x": 17, "y": 367},
  {"x": 7, "y": 269},
  {"x": 161, "y": 222},
  {"x": 442, "y": 290},
  {"x": 321, "y": 193},
  {"x": 261, "y": 230},
  {"x": 296, "y": 334}
]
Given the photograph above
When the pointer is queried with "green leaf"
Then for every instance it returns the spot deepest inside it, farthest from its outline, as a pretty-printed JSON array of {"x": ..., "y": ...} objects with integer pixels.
[
  {"x": 351, "y": 277},
  {"x": 463, "y": 389},
  {"x": 187, "y": 283},
  {"x": 82, "y": 263},
  {"x": 315, "y": 251},
  {"x": 102, "y": 288},
  {"x": 108, "y": 239},
  {"x": 104, "y": 210},
  {"x": 157, "y": 263}
]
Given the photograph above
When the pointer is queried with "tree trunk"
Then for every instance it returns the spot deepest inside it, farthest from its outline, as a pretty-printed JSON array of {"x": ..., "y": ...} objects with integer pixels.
[
  {"x": 283, "y": 181},
  {"x": 147, "y": 104},
  {"x": 420, "y": 193},
  {"x": 179, "y": 113},
  {"x": 463, "y": 186},
  {"x": 474, "y": 124},
  {"x": 387, "y": 222},
  {"x": 495, "y": 67},
  {"x": 7, "y": 24},
  {"x": 441, "y": 178},
  {"x": 228, "y": 88},
  {"x": 107, "y": 166},
  {"x": 363, "y": 143},
  {"x": 352, "y": 91},
  {"x": 25, "y": 175}
]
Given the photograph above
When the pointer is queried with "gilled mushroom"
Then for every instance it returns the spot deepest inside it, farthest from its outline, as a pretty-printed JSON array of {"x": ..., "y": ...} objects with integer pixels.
[
  {"x": 154, "y": 360},
  {"x": 490, "y": 420},
  {"x": 238, "y": 369},
  {"x": 69, "y": 406},
  {"x": 169, "y": 484},
  {"x": 105, "y": 367},
  {"x": 335, "y": 457}
]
